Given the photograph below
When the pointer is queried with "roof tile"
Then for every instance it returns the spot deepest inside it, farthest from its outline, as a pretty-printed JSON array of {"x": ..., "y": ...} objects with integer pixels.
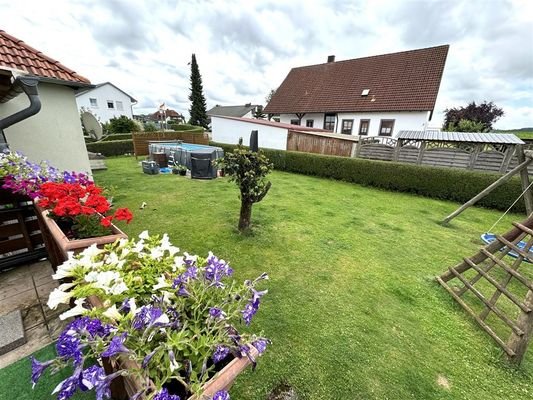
[
  {"x": 16, "y": 54},
  {"x": 405, "y": 81}
]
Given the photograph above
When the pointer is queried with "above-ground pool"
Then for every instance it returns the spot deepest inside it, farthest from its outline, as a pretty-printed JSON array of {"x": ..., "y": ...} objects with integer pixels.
[{"x": 187, "y": 154}]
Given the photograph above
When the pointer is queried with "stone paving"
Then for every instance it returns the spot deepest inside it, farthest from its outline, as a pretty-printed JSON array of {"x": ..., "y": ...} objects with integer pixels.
[{"x": 26, "y": 288}]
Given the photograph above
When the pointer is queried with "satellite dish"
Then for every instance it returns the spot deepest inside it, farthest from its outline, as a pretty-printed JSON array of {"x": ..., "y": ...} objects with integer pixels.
[{"x": 91, "y": 125}]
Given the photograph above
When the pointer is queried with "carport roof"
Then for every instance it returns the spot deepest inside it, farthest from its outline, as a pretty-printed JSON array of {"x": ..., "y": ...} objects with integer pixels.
[{"x": 466, "y": 137}]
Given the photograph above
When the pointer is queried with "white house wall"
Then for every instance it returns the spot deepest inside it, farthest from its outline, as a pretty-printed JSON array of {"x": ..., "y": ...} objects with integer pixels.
[
  {"x": 54, "y": 134},
  {"x": 229, "y": 131},
  {"x": 403, "y": 120},
  {"x": 103, "y": 94}
]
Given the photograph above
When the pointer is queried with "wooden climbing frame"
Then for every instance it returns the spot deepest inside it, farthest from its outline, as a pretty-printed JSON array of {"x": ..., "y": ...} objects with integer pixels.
[{"x": 492, "y": 267}]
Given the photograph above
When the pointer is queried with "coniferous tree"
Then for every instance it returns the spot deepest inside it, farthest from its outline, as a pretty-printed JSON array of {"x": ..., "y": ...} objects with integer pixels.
[{"x": 198, "y": 110}]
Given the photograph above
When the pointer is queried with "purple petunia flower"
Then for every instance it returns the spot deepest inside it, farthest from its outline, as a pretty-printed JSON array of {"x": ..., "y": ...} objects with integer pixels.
[
  {"x": 66, "y": 389},
  {"x": 216, "y": 270},
  {"x": 249, "y": 311},
  {"x": 102, "y": 386},
  {"x": 90, "y": 377},
  {"x": 221, "y": 395},
  {"x": 260, "y": 345},
  {"x": 69, "y": 346},
  {"x": 116, "y": 346},
  {"x": 37, "y": 369},
  {"x": 220, "y": 353},
  {"x": 164, "y": 395},
  {"x": 217, "y": 313},
  {"x": 147, "y": 358}
]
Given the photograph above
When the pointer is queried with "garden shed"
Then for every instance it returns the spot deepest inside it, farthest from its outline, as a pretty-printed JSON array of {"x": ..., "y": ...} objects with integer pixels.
[{"x": 492, "y": 152}]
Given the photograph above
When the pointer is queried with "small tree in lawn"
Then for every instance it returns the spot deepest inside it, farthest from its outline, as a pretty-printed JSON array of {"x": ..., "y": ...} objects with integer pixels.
[
  {"x": 248, "y": 170},
  {"x": 198, "y": 109}
]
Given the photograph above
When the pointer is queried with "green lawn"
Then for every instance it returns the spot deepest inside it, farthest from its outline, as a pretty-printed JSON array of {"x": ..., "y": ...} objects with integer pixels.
[{"x": 353, "y": 310}]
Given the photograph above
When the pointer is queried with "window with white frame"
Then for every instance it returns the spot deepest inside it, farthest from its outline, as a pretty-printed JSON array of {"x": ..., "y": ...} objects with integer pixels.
[
  {"x": 119, "y": 105},
  {"x": 110, "y": 104},
  {"x": 347, "y": 126},
  {"x": 94, "y": 102}
]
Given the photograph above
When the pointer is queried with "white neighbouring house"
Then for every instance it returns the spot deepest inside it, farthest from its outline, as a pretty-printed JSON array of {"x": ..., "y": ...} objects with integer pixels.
[
  {"x": 272, "y": 135},
  {"x": 370, "y": 96},
  {"x": 53, "y": 133},
  {"x": 106, "y": 101}
]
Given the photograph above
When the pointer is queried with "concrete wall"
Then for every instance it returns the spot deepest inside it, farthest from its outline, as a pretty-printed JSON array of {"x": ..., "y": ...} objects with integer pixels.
[
  {"x": 404, "y": 120},
  {"x": 229, "y": 131},
  {"x": 103, "y": 94},
  {"x": 54, "y": 134}
]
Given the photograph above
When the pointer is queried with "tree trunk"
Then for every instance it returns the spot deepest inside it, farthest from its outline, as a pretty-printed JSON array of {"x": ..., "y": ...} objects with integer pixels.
[{"x": 246, "y": 215}]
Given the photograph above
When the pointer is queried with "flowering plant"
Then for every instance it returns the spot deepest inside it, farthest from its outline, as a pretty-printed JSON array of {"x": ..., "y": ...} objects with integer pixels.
[
  {"x": 80, "y": 209},
  {"x": 25, "y": 177},
  {"x": 175, "y": 316}
]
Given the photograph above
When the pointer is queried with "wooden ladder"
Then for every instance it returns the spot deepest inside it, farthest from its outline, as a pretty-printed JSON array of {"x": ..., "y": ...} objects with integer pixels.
[{"x": 488, "y": 258}]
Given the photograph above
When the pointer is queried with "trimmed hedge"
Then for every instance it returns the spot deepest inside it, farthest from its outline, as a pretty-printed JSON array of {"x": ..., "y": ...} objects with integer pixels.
[
  {"x": 117, "y": 136},
  {"x": 185, "y": 127},
  {"x": 440, "y": 183},
  {"x": 111, "y": 148}
]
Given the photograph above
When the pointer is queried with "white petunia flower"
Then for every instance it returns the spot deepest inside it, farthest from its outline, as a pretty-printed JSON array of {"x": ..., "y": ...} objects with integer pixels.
[
  {"x": 65, "y": 270},
  {"x": 58, "y": 297},
  {"x": 91, "y": 251},
  {"x": 165, "y": 245},
  {"x": 163, "y": 319},
  {"x": 133, "y": 306},
  {"x": 156, "y": 253},
  {"x": 139, "y": 247},
  {"x": 118, "y": 288},
  {"x": 161, "y": 283},
  {"x": 144, "y": 235},
  {"x": 178, "y": 262},
  {"x": 112, "y": 313},
  {"x": 65, "y": 286},
  {"x": 111, "y": 258},
  {"x": 78, "y": 310}
]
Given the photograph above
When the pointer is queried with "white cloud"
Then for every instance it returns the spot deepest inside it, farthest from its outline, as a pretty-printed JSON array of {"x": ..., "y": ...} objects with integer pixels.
[{"x": 244, "y": 49}]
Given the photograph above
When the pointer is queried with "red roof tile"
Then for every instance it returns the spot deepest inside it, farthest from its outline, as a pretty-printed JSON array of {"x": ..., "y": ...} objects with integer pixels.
[
  {"x": 405, "y": 81},
  {"x": 16, "y": 54}
]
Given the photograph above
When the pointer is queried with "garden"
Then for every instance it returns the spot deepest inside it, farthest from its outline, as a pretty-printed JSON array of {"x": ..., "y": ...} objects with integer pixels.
[{"x": 352, "y": 310}]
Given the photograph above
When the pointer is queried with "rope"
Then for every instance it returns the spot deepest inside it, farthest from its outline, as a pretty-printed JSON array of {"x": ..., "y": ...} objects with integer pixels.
[{"x": 511, "y": 206}]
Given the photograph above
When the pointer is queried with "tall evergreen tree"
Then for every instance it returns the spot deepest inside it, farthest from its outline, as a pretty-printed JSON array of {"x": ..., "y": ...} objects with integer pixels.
[{"x": 198, "y": 110}]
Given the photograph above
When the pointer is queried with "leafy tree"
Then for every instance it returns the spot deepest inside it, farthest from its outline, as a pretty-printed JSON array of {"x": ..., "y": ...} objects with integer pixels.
[
  {"x": 198, "y": 110},
  {"x": 269, "y": 95},
  {"x": 121, "y": 124},
  {"x": 248, "y": 170},
  {"x": 466, "y": 125},
  {"x": 483, "y": 116},
  {"x": 150, "y": 127},
  {"x": 258, "y": 113}
]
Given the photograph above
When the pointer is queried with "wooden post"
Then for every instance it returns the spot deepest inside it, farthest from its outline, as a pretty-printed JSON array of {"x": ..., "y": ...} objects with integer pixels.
[
  {"x": 507, "y": 159},
  {"x": 473, "y": 156},
  {"x": 519, "y": 343},
  {"x": 421, "y": 152},
  {"x": 358, "y": 149},
  {"x": 396, "y": 153},
  {"x": 524, "y": 178},
  {"x": 487, "y": 190}
]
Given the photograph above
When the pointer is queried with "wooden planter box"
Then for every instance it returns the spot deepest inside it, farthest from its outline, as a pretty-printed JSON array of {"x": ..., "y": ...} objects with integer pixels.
[
  {"x": 123, "y": 388},
  {"x": 21, "y": 240},
  {"x": 58, "y": 244}
]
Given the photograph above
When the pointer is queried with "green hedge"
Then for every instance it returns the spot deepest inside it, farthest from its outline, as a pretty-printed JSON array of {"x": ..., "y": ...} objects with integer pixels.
[
  {"x": 112, "y": 148},
  {"x": 116, "y": 136},
  {"x": 440, "y": 183},
  {"x": 185, "y": 127}
]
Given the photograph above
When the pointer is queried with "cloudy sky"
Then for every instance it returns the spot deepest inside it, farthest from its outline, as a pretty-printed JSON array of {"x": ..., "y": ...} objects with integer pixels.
[{"x": 246, "y": 48}]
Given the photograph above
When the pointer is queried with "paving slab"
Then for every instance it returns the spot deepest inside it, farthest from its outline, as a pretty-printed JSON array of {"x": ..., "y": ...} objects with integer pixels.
[
  {"x": 37, "y": 339},
  {"x": 11, "y": 332},
  {"x": 15, "y": 286},
  {"x": 32, "y": 316},
  {"x": 19, "y": 301}
]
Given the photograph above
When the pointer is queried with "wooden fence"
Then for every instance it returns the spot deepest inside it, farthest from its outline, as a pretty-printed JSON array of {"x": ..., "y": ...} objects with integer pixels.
[
  {"x": 141, "y": 140},
  {"x": 475, "y": 156},
  {"x": 330, "y": 144}
]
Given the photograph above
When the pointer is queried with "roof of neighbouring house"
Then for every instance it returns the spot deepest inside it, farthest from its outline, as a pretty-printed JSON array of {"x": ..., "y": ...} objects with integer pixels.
[
  {"x": 15, "y": 55},
  {"x": 275, "y": 124},
  {"x": 232, "y": 111},
  {"x": 103, "y": 84},
  {"x": 168, "y": 113},
  {"x": 404, "y": 81},
  {"x": 466, "y": 137}
]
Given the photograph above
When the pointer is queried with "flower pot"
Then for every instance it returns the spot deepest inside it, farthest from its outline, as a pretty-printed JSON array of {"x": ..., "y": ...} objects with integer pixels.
[
  {"x": 128, "y": 386},
  {"x": 63, "y": 244}
]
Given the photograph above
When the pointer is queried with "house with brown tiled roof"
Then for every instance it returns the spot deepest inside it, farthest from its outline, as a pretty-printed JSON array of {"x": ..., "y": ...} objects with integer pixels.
[
  {"x": 378, "y": 95},
  {"x": 38, "y": 112}
]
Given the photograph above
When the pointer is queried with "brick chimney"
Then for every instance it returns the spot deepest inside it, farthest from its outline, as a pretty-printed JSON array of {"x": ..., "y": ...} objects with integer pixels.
[{"x": 331, "y": 59}]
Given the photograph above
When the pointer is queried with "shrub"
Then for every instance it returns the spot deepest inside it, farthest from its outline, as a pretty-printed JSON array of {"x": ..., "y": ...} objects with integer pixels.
[
  {"x": 111, "y": 148},
  {"x": 150, "y": 127},
  {"x": 117, "y": 136},
  {"x": 185, "y": 127},
  {"x": 121, "y": 124},
  {"x": 439, "y": 183}
]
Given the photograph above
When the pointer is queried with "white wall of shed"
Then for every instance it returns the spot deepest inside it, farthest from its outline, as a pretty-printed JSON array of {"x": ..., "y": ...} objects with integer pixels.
[{"x": 229, "y": 131}]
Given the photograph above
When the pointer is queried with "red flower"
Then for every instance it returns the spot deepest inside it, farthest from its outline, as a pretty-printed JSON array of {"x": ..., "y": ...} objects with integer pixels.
[
  {"x": 124, "y": 214},
  {"x": 106, "y": 221}
]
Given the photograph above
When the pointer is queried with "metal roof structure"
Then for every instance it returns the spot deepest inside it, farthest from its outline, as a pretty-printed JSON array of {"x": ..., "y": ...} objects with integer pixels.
[{"x": 465, "y": 137}]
